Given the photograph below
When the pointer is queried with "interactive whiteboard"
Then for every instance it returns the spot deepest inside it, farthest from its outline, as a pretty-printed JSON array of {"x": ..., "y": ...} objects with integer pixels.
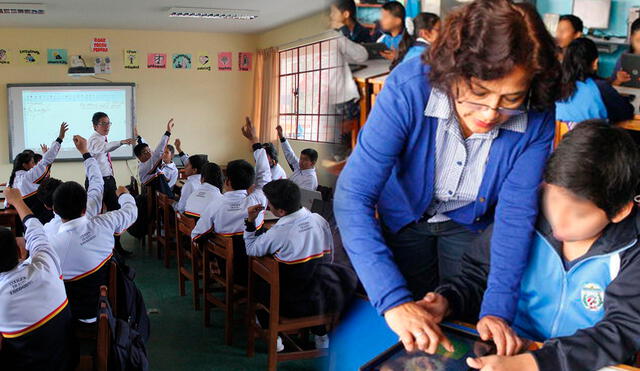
[{"x": 37, "y": 110}]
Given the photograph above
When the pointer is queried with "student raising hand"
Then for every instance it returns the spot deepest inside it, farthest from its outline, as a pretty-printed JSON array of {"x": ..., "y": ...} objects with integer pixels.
[
  {"x": 522, "y": 362},
  {"x": 44, "y": 148},
  {"x": 280, "y": 133},
  {"x": 249, "y": 131},
  {"x": 63, "y": 130},
  {"x": 506, "y": 340},
  {"x": 178, "y": 144},
  {"x": 81, "y": 144},
  {"x": 12, "y": 195},
  {"x": 170, "y": 125}
]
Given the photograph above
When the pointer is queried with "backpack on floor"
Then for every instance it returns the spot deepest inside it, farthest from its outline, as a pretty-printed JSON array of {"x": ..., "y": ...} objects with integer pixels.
[{"x": 131, "y": 307}]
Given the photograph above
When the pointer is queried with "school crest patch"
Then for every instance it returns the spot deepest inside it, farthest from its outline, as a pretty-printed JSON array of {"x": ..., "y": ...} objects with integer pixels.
[{"x": 592, "y": 297}]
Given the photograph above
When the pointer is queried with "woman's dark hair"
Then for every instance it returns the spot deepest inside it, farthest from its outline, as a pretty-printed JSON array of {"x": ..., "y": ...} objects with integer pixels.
[
  {"x": 487, "y": 39},
  {"x": 197, "y": 162},
  {"x": 577, "y": 65},
  {"x": 69, "y": 200},
  {"x": 212, "y": 174},
  {"x": 397, "y": 10},
  {"x": 423, "y": 21},
  {"x": 283, "y": 194},
  {"x": 97, "y": 116},
  {"x": 8, "y": 250},
  {"x": 635, "y": 27},
  {"x": 576, "y": 22},
  {"x": 597, "y": 162},
  {"x": 346, "y": 6},
  {"x": 18, "y": 164}
]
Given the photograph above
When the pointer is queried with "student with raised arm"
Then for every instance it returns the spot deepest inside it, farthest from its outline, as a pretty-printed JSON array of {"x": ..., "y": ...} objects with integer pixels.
[
  {"x": 150, "y": 161},
  {"x": 26, "y": 175},
  {"x": 35, "y": 320},
  {"x": 85, "y": 243},
  {"x": 94, "y": 189},
  {"x": 304, "y": 171},
  {"x": 193, "y": 170},
  {"x": 167, "y": 167}
]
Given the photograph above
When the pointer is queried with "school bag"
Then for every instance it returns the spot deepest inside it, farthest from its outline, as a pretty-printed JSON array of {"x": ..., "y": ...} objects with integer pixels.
[{"x": 131, "y": 307}]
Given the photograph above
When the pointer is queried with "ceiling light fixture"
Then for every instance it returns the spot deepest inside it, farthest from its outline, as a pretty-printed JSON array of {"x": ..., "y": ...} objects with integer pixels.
[{"x": 212, "y": 13}]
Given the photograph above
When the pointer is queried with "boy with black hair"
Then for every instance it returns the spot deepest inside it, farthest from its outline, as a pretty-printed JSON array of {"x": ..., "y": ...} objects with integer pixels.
[
  {"x": 304, "y": 172},
  {"x": 35, "y": 319},
  {"x": 208, "y": 192},
  {"x": 85, "y": 243},
  {"x": 150, "y": 161},
  {"x": 167, "y": 167},
  {"x": 277, "y": 172},
  {"x": 344, "y": 18},
  {"x": 192, "y": 170},
  {"x": 569, "y": 28},
  {"x": 580, "y": 290}
]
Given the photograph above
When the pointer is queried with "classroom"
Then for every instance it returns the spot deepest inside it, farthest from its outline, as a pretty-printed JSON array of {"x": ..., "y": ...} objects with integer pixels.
[{"x": 320, "y": 185}]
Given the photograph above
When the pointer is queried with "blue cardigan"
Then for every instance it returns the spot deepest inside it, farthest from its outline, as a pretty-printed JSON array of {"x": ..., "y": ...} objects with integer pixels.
[{"x": 392, "y": 169}]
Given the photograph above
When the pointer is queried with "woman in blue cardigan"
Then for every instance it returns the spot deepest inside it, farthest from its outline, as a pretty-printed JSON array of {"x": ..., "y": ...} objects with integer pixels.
[{"x": 450, "y": 146}]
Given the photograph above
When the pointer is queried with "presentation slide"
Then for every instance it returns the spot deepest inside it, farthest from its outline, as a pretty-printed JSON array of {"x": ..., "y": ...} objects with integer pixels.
[{"x": 36, "y": 113}]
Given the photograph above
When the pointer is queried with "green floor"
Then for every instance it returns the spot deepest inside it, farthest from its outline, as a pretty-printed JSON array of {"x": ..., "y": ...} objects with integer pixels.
[{"x": 179, "y": 340}]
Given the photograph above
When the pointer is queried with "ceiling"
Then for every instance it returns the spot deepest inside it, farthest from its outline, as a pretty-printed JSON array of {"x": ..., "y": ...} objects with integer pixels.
[{"x": 152, "y": 14}]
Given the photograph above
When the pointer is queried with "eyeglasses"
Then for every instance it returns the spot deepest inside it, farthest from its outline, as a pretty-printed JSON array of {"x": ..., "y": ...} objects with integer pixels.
[
  {"x": 472, "y": 106},
  {"x": 104, "y": 124}
]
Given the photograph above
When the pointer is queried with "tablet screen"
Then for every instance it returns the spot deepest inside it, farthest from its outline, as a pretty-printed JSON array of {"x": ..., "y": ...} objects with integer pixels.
[{"x": 465, "y": 345}]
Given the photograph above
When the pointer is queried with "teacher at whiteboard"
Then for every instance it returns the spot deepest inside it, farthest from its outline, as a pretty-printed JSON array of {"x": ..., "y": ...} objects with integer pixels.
[{"x": 100, "y": 148}]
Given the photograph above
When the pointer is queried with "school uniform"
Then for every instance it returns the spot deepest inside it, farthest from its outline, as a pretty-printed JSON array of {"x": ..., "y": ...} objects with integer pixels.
[
  {"x": 85, "y": 245},
  {"x": 94, "y": 195},
  {"x": 392, "y": 42},
  {"x": 594, "y": 99},
  {"x": 201, "y": 198},
  {"x": 35, "y": 320},
  {"x": 360, "y": 34},
  {"x": 170, "y": 172},
  {"x": 587, "y": 310},
  {"x": 192, "y": 183},
  {"x": 28, "y": 182},
  {"x": 277, "y": 172},
  {"x": 100, "y": 148},
  {"x": 306, "y": 179},
  {"x": 417, "y": 49},
  {"x": 148, "y": 171}
]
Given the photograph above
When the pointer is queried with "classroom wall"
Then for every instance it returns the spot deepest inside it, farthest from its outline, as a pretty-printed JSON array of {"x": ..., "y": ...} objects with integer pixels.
[{"x": 208, "y": 107}]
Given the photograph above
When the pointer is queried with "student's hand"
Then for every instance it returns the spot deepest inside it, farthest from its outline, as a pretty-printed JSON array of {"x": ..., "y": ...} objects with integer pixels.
[
  {"x": 279, "y": 130},
  {"x": 621, "y": 77},
  {"x": 416, "y": 328},
  {"x": 388, "y": 54},
  {"x": 44, "y": 148},
  {"x": 253, "y": 212},
  {"x": 81, "y": 144},
  {"x": 63, "y": 130},
  {"x": 436, "y": 305},
  {"x": 178, "y": 144},
  {"x": 249, "y": 131},
  {"x": 121, "y": 190},
  {"x": 495, "y": 328},
  {"x": 522, "y": 362},
  {"x": 12, "y": 195},
  {"x": 170, "y": 125}
]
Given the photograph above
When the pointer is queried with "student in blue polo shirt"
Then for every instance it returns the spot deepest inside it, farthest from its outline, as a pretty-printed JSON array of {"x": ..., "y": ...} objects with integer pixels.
[
  {"x": 580, "y": 290},
  {"x": 392, "y": 24},
  {"x": 418, "y": 38}
]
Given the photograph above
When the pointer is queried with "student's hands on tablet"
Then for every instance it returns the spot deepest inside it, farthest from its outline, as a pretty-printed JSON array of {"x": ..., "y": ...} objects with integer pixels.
[
  {"x": 63, "y": 130},
  {"x": 521, "y": 362},
  {"x": 436, "y": 305},
  {"x": 417, "y": 328},
  {"x": 388, "y": 54},
  {"x": 496, "y": 329},
  {"x": 621, "y": 77}
]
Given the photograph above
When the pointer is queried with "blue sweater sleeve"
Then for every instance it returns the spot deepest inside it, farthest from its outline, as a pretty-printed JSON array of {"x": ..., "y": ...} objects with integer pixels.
[
  {"x": 514, "y": 223},
  {"x": 380, "y": 144},
  {"x": 619, "y": 108}
]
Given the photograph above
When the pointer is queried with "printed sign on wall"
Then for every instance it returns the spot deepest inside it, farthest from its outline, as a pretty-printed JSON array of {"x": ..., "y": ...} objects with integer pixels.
[
  {"x": 244, "y": 61},
  {"x": 224, "y": 61},
  {"x": 131, "y": 60},
  {"x": 57, "y": 56},
  {"x": 156, "y": 60}
]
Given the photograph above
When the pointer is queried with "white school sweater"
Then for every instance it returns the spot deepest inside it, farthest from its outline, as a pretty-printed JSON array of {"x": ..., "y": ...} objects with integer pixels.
[
  {"x": 33, "y": 292},
  {"x": 306, "y": 179},
  {"x": 201, "y": 198},
  {"x": 26, "y": 181},
  {"x": 148, "y": 171},
  {"x": 277, "y": 172},
  {"x": 192, "y": 183}
]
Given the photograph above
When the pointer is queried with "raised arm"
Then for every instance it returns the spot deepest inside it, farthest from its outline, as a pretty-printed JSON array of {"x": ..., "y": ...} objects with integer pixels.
[
  {"x": 151, "y": 166},
  {"x": 123, "y": 218},
  {"x": 35, "y": 173},
  {"x": 263, "y": 172},
  {"x": 289, "y": 154},
  {"x": 96, "y": 182},
  {"x": 183, "y": 156}
]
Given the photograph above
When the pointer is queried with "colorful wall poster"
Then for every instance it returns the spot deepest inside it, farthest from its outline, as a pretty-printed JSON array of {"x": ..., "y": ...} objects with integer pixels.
[
  {"x": 100, "y": 45},
  {"x": 225, "y": 60},
  {"x": 103, "y": 65},
  {"x": 30, "y": 56},
  {"x": 244, "y": 61},
  {"x": 203, "y": 63},
  {"x": 56, "y": 56},
  {"x": 156, "y": 60},
  {"x": 181, "y": 61},
  {"x": 5, "y": 57},
  {"x": 131, "y": 60}
]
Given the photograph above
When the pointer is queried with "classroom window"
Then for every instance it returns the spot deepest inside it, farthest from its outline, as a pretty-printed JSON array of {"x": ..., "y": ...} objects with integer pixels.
[{"x": 307, "y": 90}]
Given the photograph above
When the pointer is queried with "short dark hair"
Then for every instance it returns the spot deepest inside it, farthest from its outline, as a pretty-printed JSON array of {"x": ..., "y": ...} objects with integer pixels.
[
  {"x": 597, "y": 162},
  {"x": 137, "y": 150},
  {"x": 37, "y": 157},
  {"x": 197, "y": 162},
  {"x": 18, "y": 164},
  {"x": 577, "y": 64},
  {"x": 97, "y": 116},
  {"x": 69, "y": 200},
  {"x": 171, "y": 149},
  {"x": 635, "y": 27},
  {"x": 46, "y": 190},
  {"x": 346, "y": 6},
  {"x": 271, "y": 150},
  {"x": 576, "y": 22},
  {"x": 212, "y": 174},
  {"x": 240, "y": 174},
  {"x": 283, "y": 194},
  {"x": 9, "y": 258},
  {"x": 311, "y": 153},
  {"x": 487, "y": 39}
]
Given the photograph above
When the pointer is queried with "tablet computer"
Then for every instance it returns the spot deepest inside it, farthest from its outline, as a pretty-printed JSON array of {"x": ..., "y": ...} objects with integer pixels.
[
  {"x": 374, "y": 49},
  {"x": 631, "y": 64},
  {"x": 465, "y": 341}
]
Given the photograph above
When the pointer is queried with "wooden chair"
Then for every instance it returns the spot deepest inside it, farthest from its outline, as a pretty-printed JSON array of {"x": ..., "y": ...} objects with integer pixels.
[
  {"x": 267, "y": 269},
  {"x": 103, "y": 340},
  {"x": 221, "y": 248},
  {"x": 165, "y": 227},
  {"x": 562, "y": 128},
  {"x": 113, "y": 286},
  {"x": 151, "y": 215},
  {"x": 187, "y": 252}
]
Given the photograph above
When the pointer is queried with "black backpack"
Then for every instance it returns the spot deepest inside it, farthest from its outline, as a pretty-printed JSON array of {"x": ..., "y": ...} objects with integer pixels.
[{"x": 131, "y": 307}]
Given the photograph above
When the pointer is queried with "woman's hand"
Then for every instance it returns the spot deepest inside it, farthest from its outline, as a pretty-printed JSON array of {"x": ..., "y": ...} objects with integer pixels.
[
  {"x": 416, "y": 328},
  {"x": 621, "y": 77},
  {"x": 507, "y": 341},
  {"x": 436, "y": 305},
  {"x": 522, "y": 362}
]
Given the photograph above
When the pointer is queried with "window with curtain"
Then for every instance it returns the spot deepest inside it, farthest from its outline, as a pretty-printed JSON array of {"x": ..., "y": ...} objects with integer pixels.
[{"x": 305, "y": 101}]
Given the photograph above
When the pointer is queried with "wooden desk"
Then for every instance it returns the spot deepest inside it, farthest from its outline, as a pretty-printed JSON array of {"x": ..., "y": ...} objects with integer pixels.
[
  {"x": 375, "y": 68},
  {"x": 376, "y": 86}
]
